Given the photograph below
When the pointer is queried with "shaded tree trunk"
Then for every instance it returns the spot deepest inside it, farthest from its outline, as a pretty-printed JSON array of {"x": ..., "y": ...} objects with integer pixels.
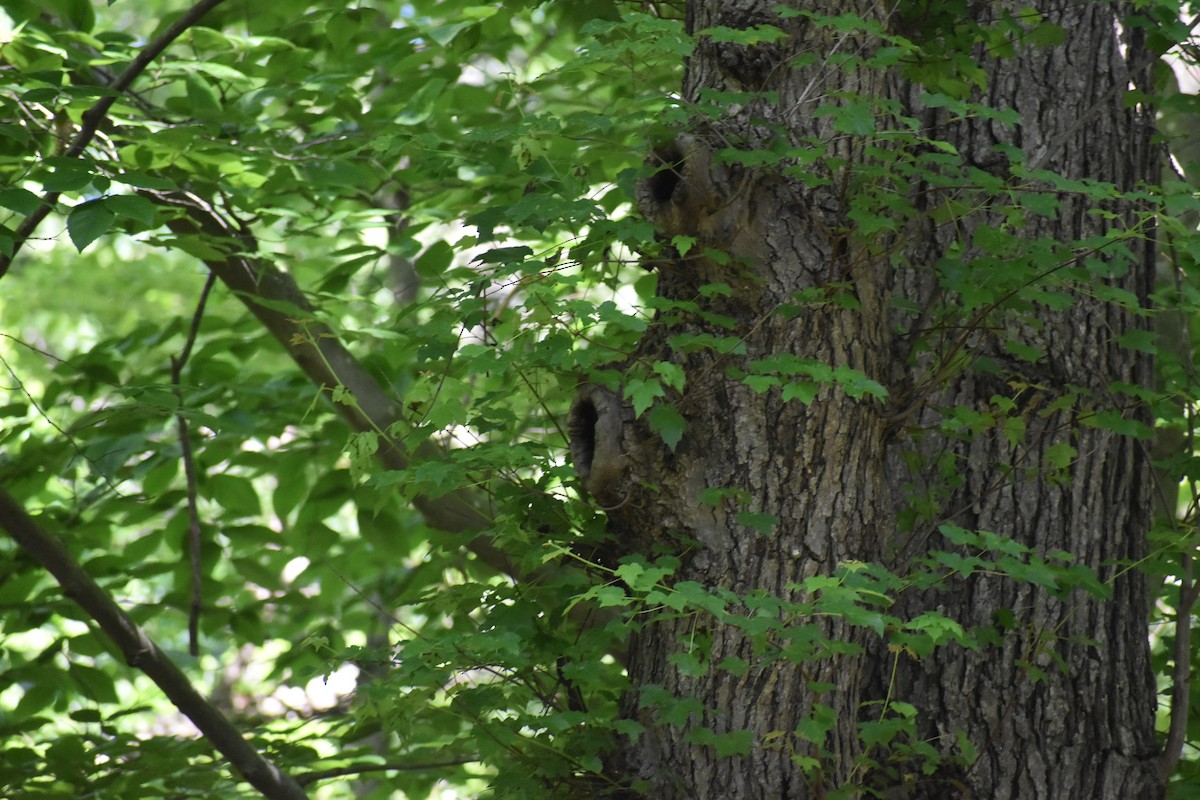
[{"x": 1059, "y": 701}]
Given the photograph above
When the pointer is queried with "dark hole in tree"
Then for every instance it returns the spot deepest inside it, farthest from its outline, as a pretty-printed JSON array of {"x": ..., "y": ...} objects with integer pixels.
[
  {"x": 582, "y": 428},
  {"x": 662, "y": 184}
]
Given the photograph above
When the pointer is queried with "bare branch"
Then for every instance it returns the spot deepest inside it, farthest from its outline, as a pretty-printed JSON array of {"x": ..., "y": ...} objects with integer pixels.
[
  {"x": 358, "y": 769},
  {"x": 142, "y": 653},
  {"x": 96, "y": 114}
]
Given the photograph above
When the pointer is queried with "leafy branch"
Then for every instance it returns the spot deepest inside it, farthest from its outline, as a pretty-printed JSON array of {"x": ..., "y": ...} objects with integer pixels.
[
  {"x": 96, "y": 114},
  {"x": 274, "y": 298},
  {"x": 142, "y": 653}
]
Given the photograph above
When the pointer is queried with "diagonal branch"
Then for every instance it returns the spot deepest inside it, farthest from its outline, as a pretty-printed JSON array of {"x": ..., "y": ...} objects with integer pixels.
[
  {"x": 266, "y": 290},
  {"x": 96, "y": 114},
  {"x": 142, "y": 653},
  {"x": 275, "y": 299}
]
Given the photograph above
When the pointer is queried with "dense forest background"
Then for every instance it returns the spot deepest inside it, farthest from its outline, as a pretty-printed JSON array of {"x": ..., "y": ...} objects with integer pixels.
[{"x": 367, "y": 369}]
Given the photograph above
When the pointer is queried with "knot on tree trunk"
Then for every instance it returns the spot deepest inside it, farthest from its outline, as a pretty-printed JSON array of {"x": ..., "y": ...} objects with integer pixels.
[
  {"x": 691, "y": 193},
  {"x": 680, "y": 194},
  {"x": 596, "y": 426}
]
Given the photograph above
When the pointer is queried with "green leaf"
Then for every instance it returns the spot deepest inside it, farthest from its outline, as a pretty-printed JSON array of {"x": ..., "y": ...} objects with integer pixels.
[
  {"x": 435, "y": 260},
  {"x": 713, "y": 496},
  {"x": 203, "y": 100},
  {"x": 643, "y": 393},
  {"x": 1116, "y": 422},
  {"x": 734, "y": 665},
  {"x": 70, "y": 174},
  {"x": 1047, "y": 34},
  {"x": 937, "y": 627},
  {"x": 141, "y": 180},
  {"x": 856, "y": 384},
  {"x": 22, "y": 201},
  {"x": 1025, "y": 352},
  {"x": 504, "y": 255},
  {"x": 763, "y": 523},
  {"x": 1034, "y": 571},
  {"x": 852, "y": 116},
  {"x": 668, "y": 423},
  {"x": 716, "y": 290},
  {"x": 132, "y": 206},
  {"x": 234, "y": 494},
  {"x": 1140, "y": 340},
  {"x": 688, "y": 664},
  {"x": 97, "y": 684},
  {"x": 1060, "y": 455},
  {"x": 88, "y": 221},
  {"x": 606, "y": 596},
  {"x": 683, "y": 243},
  {"x": 748, "y": 37},
  {"x": 641, "y": 577},
  {"x": 1040, "y": 203},
  {"x": 734, "y": 743},
  {"x": 423, "y": 102},
  {"x": 761, "y": 383},
  {"x": 672, "y": 374},
  {"x": 804, "y": 391}
]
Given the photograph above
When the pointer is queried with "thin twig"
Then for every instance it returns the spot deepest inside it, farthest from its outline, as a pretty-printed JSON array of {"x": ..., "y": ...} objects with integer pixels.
[
  {"x": 95, "y": 115},
  {"x": 326, "y": 774},
  {"x": 195, "y": 531}
]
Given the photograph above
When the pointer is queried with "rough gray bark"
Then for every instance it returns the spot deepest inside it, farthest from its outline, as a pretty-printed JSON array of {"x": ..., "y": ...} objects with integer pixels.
[{"x": 836, "y": 473}]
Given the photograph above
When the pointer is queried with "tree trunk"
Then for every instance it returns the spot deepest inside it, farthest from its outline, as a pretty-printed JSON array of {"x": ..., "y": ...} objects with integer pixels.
[{"x": 985, "y": 396}]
